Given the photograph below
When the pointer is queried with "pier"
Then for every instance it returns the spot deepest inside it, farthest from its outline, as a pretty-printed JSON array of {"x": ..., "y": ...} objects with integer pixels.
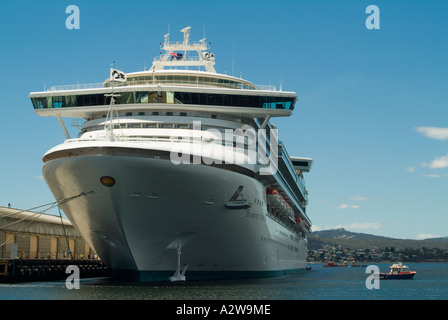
[
  {"x": 31, "y": 270},
  {"x": 35, "y": 246}
]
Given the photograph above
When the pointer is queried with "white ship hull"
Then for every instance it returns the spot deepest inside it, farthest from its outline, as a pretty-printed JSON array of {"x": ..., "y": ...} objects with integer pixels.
[
  {"x": 239, "y": 208},
  {"x": 136, "y": 225}
]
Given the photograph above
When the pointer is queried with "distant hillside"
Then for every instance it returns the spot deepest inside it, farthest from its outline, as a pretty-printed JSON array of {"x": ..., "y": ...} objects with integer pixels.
[{"x": 353, "y": 240}]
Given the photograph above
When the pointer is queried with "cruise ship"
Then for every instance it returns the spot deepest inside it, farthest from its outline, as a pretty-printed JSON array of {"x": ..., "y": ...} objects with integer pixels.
[{"x": 177, "y": 171}]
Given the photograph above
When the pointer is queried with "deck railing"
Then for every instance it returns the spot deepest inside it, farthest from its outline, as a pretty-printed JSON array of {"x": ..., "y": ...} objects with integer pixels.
[{"x": 189, "y": 83}]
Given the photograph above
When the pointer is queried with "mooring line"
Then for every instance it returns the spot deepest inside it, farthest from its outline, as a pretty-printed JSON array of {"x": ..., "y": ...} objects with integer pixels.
[
  {"x": 53, "y": 204},
  {"x": 20, "y": 211}
]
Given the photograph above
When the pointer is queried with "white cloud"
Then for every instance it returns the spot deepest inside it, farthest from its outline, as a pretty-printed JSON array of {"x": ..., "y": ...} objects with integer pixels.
[
  {"x": 365, "y": 225},
  {"x": 347, "y": 206},
  {"x": 439, "y": 162},
  {"x": 434, "y": 132},
  {"x": 434, "y": 175},
  {"x": 425, "y": 236},
  {"x": 358, "y": 198},
  {"x": 358, "y": 225},
  {"x": 410, "y": 169}
]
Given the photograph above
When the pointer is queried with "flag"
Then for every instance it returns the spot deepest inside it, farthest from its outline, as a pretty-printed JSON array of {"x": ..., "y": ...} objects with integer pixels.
[
  {"x": 117, "y": 75},
  {"x": 176, "y": 56}
]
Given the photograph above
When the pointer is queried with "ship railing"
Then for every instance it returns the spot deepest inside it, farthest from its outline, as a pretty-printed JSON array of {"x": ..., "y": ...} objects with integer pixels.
[
  {"x": 190, "y": 83},
  {"x": 291, "y": 177},
  {"x": 181, "y": 43},
  {"x": 180, "y": 139},
  {"x": 76, "y": 86},
  {"x": 268, "y": 87},
  {"x": 166, "y": 59}
]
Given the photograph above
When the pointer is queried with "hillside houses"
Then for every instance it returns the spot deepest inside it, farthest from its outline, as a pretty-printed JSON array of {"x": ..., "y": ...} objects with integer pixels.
[{"x": 375, "y": 254}]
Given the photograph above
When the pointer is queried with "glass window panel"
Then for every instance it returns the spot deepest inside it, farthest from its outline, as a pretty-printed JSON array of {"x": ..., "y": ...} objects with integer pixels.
[
  {"x": 169, "y": 97},
  {"x": 50, "y": 102}
]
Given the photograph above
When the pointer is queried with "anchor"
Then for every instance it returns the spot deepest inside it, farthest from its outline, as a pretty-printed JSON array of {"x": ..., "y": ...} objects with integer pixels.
[
  {"x": 179, "y": 275},
  {"x": 181, "y": 239}
]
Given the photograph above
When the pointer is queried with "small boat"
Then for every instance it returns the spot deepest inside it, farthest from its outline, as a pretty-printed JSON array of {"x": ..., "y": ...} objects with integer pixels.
[
  {"x": 345, "y": 264},
  {"x": 354, "y": 264},
  {"x": 332, "y": 264},
  {"x": 398, "y": 271}
]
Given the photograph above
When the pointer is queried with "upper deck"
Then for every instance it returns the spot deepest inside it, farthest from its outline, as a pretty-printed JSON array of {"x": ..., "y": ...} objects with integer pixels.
[
  {"x": 182, "y": 80},
  {"x": 174, "y": 90}
]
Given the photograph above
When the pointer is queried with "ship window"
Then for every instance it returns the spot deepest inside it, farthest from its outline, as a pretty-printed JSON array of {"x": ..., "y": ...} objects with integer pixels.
[
  {"x": 182, "y": 97},
  {"x": 141, "y": 97},
  {"x": 226, "y": 100},
  {"x": 300, "y": 163},
  {"x": 39, "y": 103},
  {"x": 127, "y": 97},
  {"x": 57, "y": 103},
  {"x": 84, "y": 100},
  {"x": 169, "y": 97},
  {"x": 50, "y": 102},
  {"x": 70, "y": 101},
  {"x": 194, "y": 98}
]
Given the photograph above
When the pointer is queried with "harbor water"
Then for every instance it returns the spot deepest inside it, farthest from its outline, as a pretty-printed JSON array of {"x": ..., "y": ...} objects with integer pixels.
[{"x": 319, "y": 283}]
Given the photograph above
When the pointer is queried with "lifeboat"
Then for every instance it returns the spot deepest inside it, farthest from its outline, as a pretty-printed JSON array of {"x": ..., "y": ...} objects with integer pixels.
[{"x": 279, "y": 204}]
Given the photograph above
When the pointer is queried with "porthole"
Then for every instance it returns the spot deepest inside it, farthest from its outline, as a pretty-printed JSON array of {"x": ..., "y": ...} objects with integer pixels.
[{"x": 107, "y": 181}]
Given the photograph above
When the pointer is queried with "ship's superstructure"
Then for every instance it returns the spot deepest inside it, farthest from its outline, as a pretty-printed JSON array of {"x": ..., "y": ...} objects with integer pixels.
[{"x": 177, "y": 171}]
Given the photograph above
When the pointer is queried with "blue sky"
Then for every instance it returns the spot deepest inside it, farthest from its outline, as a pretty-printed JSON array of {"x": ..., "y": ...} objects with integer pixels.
[{"x": 372, "y": 109}]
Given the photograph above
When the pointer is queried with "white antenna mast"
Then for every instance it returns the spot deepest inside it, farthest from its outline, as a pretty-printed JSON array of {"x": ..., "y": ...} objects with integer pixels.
[
  {"x": 233, "y": 58},
  {"x": 281, "y": 82}
]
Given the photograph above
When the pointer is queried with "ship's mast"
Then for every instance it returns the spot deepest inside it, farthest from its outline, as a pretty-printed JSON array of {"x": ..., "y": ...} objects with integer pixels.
[{"x": 174, "y": 58}]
